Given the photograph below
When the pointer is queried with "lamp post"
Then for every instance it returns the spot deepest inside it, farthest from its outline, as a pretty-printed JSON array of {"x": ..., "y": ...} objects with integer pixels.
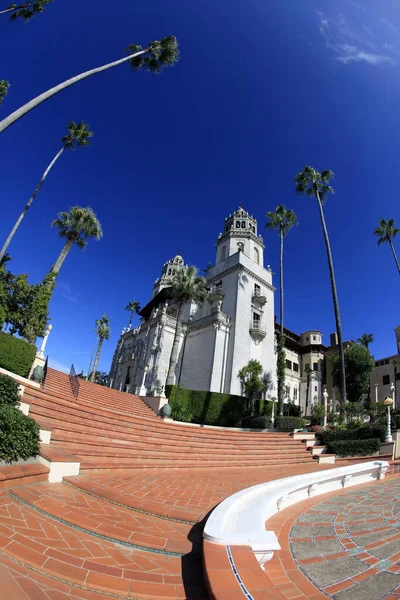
[
  {"x": 388, "y": 402},
  {"x": 393, "y": 390},
  {"x": 273, "y": 414},
  {"x": 325, "y": 395},
  {"x": 376, "y": 393}
]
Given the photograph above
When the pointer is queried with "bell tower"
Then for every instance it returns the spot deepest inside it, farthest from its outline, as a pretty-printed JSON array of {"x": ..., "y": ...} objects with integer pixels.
[{"x": 240, "y": 235}]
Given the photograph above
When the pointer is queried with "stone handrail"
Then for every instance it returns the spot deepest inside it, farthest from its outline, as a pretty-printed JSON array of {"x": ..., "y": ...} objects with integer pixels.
[{"x": 240, "y": 519}]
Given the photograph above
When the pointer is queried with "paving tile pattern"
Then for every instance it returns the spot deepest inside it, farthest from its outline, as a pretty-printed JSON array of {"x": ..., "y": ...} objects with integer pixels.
[
  {"x": 74, "y": 558},
  {"x": 349, "y": 545},
  {"x": 181, "y": 495}
]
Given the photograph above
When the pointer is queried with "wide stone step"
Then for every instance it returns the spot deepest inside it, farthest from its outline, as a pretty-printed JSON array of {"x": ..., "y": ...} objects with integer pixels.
[
  {"x": 84, "y": 418},
  {"x": 106, "y": 521},
  {"x": 69, "y": 555}
]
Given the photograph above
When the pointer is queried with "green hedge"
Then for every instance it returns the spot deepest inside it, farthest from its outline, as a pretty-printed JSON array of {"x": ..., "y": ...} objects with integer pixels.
[
  {"x": 361, "y": 433},
  {"x": 361, "y": 447},
  {"x": 16, "y": 355},
  {"x": 19, "y": 435},
  {"x": 208, "y": 408},
  {"x": 261, "y": 422},
  {"x": 289, "y": 423},
  {"x": 9, "y": 390}
]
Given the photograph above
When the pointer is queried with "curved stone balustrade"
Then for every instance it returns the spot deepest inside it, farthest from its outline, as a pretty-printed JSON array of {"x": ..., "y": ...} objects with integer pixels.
[{"x": 240, "y": 519}]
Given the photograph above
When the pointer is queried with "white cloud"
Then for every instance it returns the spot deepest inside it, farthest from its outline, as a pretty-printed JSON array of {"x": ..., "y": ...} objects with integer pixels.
[
  {"x": 352, "y": 45},
  {"x": 67, "y": 292}
]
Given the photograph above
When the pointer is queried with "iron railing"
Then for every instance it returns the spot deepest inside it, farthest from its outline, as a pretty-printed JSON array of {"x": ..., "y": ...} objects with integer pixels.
[
  {"x": 46, "y": 364},
  {"x": 74, "y": 379}
]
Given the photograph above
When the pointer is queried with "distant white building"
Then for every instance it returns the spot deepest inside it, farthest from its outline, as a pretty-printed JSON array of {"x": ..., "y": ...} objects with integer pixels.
[{"x": 235, "y": 324}]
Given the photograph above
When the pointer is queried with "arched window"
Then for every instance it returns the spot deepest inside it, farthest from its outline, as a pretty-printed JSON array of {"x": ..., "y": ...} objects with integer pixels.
[
  {"x": 240, "y": 246},
  {"x": 256, "y": 256},
  {"x": 222, "y": 254}
]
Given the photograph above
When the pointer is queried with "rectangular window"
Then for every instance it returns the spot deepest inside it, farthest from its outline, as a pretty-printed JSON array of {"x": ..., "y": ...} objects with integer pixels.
[
  {"x": 257, "y": 289},
  {"x": 386, "y": 380},
  {"x": 377, "y": 364},
  {"x": 314, "y": 337},
  {"x": 387, "y": 361},
  {"x": 288, "y": 391},
  {"x": 315, "y": 366},
  {"x": 288, "y": 364},
  {"x": 295, "y": 393},
  {"x": 316, "y": 388},
  {"x": 397, "y": 376},
  {"x": 296, "y": 367},
  {"x": 306, "y": 367}
]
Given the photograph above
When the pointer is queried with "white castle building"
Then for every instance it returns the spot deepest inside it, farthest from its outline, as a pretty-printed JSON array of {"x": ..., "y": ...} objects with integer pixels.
[{"x": 235, "y": 324}]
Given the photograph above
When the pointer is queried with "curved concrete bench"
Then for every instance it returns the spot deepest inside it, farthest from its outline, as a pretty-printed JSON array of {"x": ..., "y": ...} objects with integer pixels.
[{"x": 240, "y": 519}]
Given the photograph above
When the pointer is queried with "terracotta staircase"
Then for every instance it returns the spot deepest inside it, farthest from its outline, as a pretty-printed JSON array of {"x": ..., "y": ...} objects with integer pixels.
[
  {"x": 130, "y": 525},
  {"x": 105, "y": 429}
]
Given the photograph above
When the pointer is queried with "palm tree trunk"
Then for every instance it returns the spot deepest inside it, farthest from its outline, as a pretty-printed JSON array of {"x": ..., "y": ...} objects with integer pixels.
[
  {"x": 175, "y": 346},
  {"x": 130, "y": 319},
  {"x": 91, "y": 358},
  {"x": 282, "y": 347},
  {"x": 394, "y": 256},
  {"x": 96, "y": 360},
  {"x": 23, "y": 110},
  {"x": 28, "y": 204},
  {"x": 63, "y": 254},
  {"x": 7, "y": 10},
  {"x": 342, "y": 373}
]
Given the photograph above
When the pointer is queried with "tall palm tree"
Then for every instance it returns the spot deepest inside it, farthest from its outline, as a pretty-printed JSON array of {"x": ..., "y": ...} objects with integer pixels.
[
  {"x": 312, "y": 183},
  {"x": 77, "y": 225},
  {"x": 187, "y": 286},
  {"x": 132, "y": 307},
  {"x": 366, "y": 339},
  {"x": 386, "y": 232},
  {"x": 103, "y": 332},
  {"x": 153, "y": 58},
  {"x": 78, "y": 136},
  {"x": 25, "y": 11},
  {"x": 4, "y": 85},
  {"x": 281, "y": 220}
]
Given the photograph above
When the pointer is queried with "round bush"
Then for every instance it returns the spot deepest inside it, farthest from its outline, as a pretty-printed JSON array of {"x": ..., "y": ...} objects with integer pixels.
[
  {"x": 19, "y": 435},
  {"x": 261, "y": 422},
  {"x": 9, "y": 390}
]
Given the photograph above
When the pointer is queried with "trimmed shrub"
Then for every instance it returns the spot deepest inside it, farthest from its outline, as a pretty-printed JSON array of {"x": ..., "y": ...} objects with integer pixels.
[
  {"x": 289, "y": 423},
  {"x": 362, "y": 433},
  {"x": 9, "y": 390},
  {"x": 261, "y": 422},
  {"x": 290, "y": 409},
  {"x": 16, "y": 355},
  {"x": 19, "y": 435},
  {"x": 206, "y": 408},
  {"x": 361, "y": 447}
]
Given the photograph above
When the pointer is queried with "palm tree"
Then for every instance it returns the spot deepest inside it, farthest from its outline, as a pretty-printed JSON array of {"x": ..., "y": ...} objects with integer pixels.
[
  {"x": 103, "y": 332},
  {"x": 157, "y": 55},
  {"x": 132, "y": 307},
  {"x": 25, "y": 11},
  {"x": 77, "y": 225},
  {"x": 282, "y": 220},
  {"x": 187, "y": 286},
  {"x": 366, "y": 339},
  {"x": 308, "y": 181},
  {"x": 4, "y": 85},
  {"x": 78, "y": 136},
  {"x": 386, "y": 232}
]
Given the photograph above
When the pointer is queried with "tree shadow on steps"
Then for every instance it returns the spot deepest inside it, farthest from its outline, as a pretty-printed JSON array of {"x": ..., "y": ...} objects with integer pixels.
[{"x": 192, "y": 564}]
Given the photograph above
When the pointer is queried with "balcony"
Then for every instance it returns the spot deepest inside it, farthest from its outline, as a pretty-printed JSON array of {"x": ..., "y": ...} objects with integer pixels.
[
  {"x": 259, "y": 298},
  {"x": 216, "y": 293},
  {"x": 258, "y": 331}
]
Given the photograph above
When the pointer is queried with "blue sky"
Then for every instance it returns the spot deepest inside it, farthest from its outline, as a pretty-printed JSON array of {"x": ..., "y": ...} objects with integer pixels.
[{"x": 261, "y": 89}]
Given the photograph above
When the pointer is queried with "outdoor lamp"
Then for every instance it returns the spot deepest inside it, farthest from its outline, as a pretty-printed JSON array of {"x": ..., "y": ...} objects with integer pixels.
[{"x": 388, "y": 401}]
